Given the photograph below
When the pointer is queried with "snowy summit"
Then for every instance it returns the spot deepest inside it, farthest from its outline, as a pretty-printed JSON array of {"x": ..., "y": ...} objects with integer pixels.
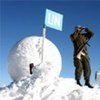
[{"x": 41, "y": 87}]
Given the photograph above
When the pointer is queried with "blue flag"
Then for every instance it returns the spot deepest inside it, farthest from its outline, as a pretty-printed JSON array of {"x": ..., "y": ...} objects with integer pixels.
[{"x": 53, "y": 19}]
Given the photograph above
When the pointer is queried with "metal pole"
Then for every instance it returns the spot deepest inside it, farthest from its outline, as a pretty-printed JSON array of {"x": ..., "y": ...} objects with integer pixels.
[{"x": 43, "y": 41}]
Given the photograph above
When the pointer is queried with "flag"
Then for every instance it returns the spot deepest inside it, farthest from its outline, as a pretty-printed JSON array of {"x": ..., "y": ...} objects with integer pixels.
[{"x": 53, "y": 19}]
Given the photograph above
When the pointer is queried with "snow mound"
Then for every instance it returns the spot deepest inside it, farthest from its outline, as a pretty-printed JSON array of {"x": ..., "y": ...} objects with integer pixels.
[
  {"x": 40, "y": 86},
  {"x": 29, "y": 50}
]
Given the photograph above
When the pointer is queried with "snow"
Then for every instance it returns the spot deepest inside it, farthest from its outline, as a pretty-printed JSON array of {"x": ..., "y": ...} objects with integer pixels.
[
  {"x": 40, "y": 86},
  {"x": 29, "y": 50},
  {"x": 44, "y": 83}
]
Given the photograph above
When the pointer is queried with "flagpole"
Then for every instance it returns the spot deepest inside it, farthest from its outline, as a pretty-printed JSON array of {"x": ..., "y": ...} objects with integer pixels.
[{"x": 43, "y": 42}]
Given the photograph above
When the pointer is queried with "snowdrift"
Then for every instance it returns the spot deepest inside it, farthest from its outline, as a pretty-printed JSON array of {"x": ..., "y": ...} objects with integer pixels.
[{"x": 43, "y": 88}]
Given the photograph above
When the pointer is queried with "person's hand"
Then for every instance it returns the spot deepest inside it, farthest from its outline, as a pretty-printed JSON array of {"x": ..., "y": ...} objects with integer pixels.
[{"x": 81, "y": 28}]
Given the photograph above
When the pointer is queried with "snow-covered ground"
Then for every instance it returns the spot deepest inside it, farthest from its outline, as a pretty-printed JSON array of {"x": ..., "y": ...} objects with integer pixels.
[{"x": 41, "y": 87}]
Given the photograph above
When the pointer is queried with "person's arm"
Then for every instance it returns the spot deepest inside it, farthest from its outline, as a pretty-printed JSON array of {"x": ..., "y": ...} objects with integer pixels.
[
  {"x": 76, "y": 33},
  {"x": 89, "y": 33},
  {"x": 74, "y": 36}
]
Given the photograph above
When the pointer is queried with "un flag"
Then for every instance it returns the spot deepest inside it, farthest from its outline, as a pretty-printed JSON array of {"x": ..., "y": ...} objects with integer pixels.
[{"x": 53, "y": 19}]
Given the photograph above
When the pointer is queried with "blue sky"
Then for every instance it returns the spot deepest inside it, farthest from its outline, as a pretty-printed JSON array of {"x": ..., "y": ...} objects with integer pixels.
[{"x": 20, "y": 19}]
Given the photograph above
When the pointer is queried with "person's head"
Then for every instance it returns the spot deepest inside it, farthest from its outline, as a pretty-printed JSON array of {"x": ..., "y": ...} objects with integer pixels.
[{"x": 78, "y": 27}]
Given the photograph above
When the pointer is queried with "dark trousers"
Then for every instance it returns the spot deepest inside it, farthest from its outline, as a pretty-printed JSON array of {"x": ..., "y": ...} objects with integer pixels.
[{"x": 82, "y": 65}]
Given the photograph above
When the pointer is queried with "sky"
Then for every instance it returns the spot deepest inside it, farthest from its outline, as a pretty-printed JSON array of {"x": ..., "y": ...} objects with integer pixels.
[{"x": 23, "y": 18}]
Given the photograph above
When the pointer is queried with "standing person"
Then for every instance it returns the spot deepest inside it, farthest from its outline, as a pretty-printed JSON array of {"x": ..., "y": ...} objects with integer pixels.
[{"x": 81, "y": 58}]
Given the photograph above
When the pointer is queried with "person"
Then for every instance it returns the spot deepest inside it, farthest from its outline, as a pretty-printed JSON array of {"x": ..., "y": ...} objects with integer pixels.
[
  {"x": 80, "y": 39},
  {"x": 31, "y": 67}
]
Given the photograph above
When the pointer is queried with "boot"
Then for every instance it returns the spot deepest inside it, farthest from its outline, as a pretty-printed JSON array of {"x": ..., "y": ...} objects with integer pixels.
[
  {"x": 78, "y": 82},
  {"x": 87, "y": 83}
]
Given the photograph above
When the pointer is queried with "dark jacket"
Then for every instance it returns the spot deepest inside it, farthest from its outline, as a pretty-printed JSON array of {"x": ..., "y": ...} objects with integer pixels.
[{"x": 79, "y": 39}]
